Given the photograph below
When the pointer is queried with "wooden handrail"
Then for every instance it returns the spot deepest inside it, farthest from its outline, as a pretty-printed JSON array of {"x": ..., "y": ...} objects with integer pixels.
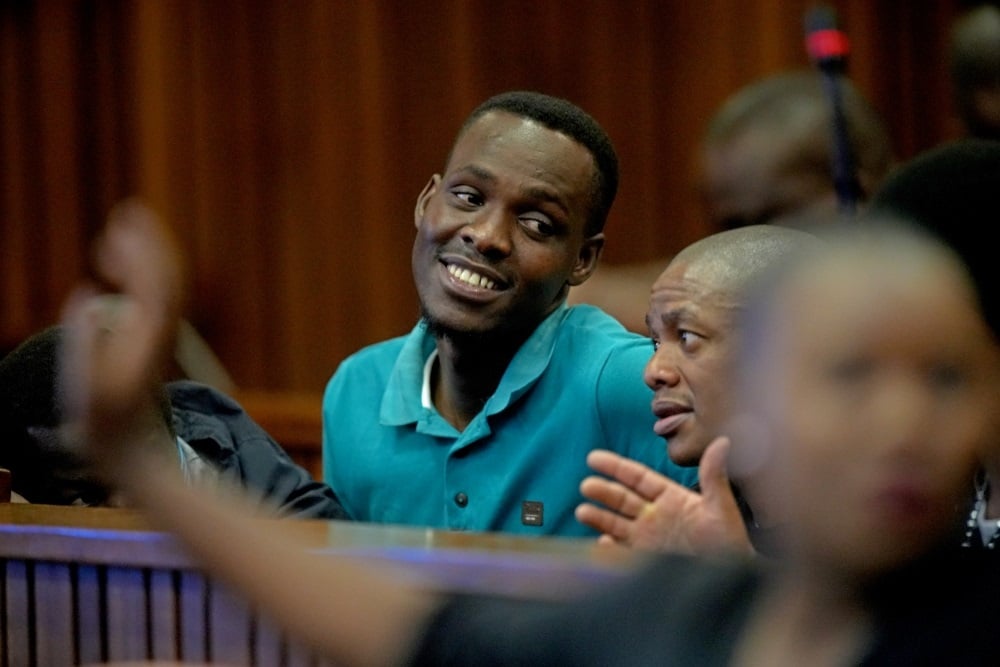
[{"x": 96, "y": 585}]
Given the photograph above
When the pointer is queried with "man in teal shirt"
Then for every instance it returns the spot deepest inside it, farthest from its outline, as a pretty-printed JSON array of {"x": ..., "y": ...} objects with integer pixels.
[{"x": 482, "y": 417}]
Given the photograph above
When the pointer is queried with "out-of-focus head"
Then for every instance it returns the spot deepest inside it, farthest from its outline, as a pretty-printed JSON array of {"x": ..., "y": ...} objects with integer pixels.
[
  {"x": 975, "y": 70},
  {"x": 767, "y": 154},
  {"x": 693, "y": 311},
  {"x": 515, "y": 219},
  {"x": 866, "y": 392},
  {"x": 952, "y": 192},
  {"x": 44, "y": 469}
]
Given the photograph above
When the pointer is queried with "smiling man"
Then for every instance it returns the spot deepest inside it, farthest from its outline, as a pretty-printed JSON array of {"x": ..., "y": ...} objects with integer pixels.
[{"x": 481, "y": 418}]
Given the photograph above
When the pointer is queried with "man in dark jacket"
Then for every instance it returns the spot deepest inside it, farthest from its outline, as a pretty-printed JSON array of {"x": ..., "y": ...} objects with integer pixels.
[{"x": 214, "y": 439}]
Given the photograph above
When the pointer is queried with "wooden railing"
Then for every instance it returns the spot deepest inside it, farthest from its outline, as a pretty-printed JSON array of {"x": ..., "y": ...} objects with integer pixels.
[{"x": 91, "y": 585}]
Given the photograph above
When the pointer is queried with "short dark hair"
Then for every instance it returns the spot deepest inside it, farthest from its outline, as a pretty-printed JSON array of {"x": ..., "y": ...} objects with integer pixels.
[
  {"x": 29, "y": 391},
  {"x": 951, "y": 191},
  {"x": 794, "y": 105},
  {"x": 563, "y": 116}
]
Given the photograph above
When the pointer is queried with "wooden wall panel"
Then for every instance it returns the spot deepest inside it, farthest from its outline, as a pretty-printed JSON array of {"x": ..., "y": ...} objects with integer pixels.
[{"x": 286, "y": 142}]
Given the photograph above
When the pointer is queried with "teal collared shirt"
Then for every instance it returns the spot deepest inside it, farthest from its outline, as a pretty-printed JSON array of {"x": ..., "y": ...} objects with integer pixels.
[{"x": 575, "y": 385}]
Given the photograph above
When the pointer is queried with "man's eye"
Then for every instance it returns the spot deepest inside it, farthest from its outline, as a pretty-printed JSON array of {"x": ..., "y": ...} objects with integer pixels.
[
  {"x": 470, "y": 198},
  {"x": 689, "y": 340},
  {"x": 851, "y": 370},
  {"x": 539, "y": 226},
  {"x": 656, "y": 344},
  {"x": 947, "y": 376}
]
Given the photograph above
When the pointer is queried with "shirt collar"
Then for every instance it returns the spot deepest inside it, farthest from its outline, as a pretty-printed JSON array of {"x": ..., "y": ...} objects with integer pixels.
[{"x": 408, "y": 397}]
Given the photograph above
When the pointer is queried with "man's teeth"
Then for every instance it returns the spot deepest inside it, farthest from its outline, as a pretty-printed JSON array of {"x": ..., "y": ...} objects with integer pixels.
[{"x": 470, "y": 277}]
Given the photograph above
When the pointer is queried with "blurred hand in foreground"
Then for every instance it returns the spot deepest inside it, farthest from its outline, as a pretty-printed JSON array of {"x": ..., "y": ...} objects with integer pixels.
[{"x": 120, "y": 335}]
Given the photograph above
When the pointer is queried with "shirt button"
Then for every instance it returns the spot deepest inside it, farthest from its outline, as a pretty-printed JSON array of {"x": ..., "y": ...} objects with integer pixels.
[{"x": 461, "y": 499}]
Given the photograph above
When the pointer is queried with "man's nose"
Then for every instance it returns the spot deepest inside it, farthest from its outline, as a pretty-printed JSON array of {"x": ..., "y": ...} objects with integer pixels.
[
  {"x": 490, "y": 232},
  {"x": 661, "y": 370}
]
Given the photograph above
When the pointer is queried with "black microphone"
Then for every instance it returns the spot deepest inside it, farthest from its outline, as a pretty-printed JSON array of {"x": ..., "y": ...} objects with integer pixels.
[{"x": 828, "y": 48}]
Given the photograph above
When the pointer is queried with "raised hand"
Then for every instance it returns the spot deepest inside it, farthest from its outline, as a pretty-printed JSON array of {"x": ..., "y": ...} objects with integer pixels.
[
  {"x": 636, "y": 506},
  {"x": 118, "y": 340}
]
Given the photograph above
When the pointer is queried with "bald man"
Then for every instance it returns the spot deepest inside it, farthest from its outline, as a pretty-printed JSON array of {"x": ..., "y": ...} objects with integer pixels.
[
  {"x": 765, "y": 158},
  {"x": 693, "y": 309}
]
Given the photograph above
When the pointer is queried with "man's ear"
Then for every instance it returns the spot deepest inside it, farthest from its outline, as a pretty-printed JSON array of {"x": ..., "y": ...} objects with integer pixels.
[
  {"x": 429, "y": 190},
  {"x": 586, "y": 262}
]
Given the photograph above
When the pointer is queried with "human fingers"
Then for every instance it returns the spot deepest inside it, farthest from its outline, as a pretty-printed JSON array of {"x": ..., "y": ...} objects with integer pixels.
[
  {"x": 75, "y": 360},
  {"x": 613, "y": 495},
  {"x": 137, "y": 254},
  {"x": 134, "y": 244},
  {"x": 728, "y": 528},
  {"x": 641, "y": 479},
  {"x": 606, "y": 540},
  {"x": 604, "y": 521},
  {"x": 103, "y": 370},
  {"x": 115, "y": 344},
  {"x": 713, "y": 475}
]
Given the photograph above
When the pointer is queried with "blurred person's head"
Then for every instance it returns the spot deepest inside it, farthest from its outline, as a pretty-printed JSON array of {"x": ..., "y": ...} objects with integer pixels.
[
  {"x": 45, "y": 468},
  {"x": 865, "y": 397},
  {"x": 694, "y": 307},
  {"x": 767, "y": 154},
  {"x": 953, "y": 191},
  {"x": 975, "y": 70}
]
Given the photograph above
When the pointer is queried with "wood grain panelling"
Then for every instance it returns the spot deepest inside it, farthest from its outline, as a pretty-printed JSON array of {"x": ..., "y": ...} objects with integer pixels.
[{"x": 286, "y": 142}]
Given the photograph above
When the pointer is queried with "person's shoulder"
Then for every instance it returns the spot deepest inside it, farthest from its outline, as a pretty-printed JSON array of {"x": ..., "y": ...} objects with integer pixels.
[
  {"x": 594, "y": 325},
  {"x": 195, "y": 396},
  {"x": 615, "y": 356},
  {"x": 368, "y": 367},
  {"x": 377, "y": 352}
]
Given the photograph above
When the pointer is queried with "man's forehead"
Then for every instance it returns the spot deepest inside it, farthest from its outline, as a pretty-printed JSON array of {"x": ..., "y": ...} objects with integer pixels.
[
  {"x": 687, "y": 302},
  {"x": 546, "y": 164},
  {"x": 503, "y": 126},
  {"x": 499, "y": 129},
  {"x": 856, "y": 292},
  {"x": 701, "y": 277}
]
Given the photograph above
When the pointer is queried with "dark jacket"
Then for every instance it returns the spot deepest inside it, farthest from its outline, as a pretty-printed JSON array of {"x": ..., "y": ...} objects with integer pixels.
[{"x": 220, "y": 431}]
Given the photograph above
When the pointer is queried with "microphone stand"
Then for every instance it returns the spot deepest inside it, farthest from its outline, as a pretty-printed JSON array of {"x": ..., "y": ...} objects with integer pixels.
[{"x": 828, "y": 48}]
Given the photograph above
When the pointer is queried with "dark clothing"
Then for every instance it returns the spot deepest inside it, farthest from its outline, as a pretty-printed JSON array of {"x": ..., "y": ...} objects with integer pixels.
[
  {"x": 684, "y": 611},
  {"x": 943, "y": 610},
  {"x": 765, "y": 541},
  {"x": 676, "y": 612},
  {"x": 216, "y": 427}
]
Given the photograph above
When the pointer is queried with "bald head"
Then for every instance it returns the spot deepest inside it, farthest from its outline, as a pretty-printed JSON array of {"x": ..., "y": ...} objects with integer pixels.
[
  {"x": 729, "y": 261},
  {"x": 692, "y": 317}
]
